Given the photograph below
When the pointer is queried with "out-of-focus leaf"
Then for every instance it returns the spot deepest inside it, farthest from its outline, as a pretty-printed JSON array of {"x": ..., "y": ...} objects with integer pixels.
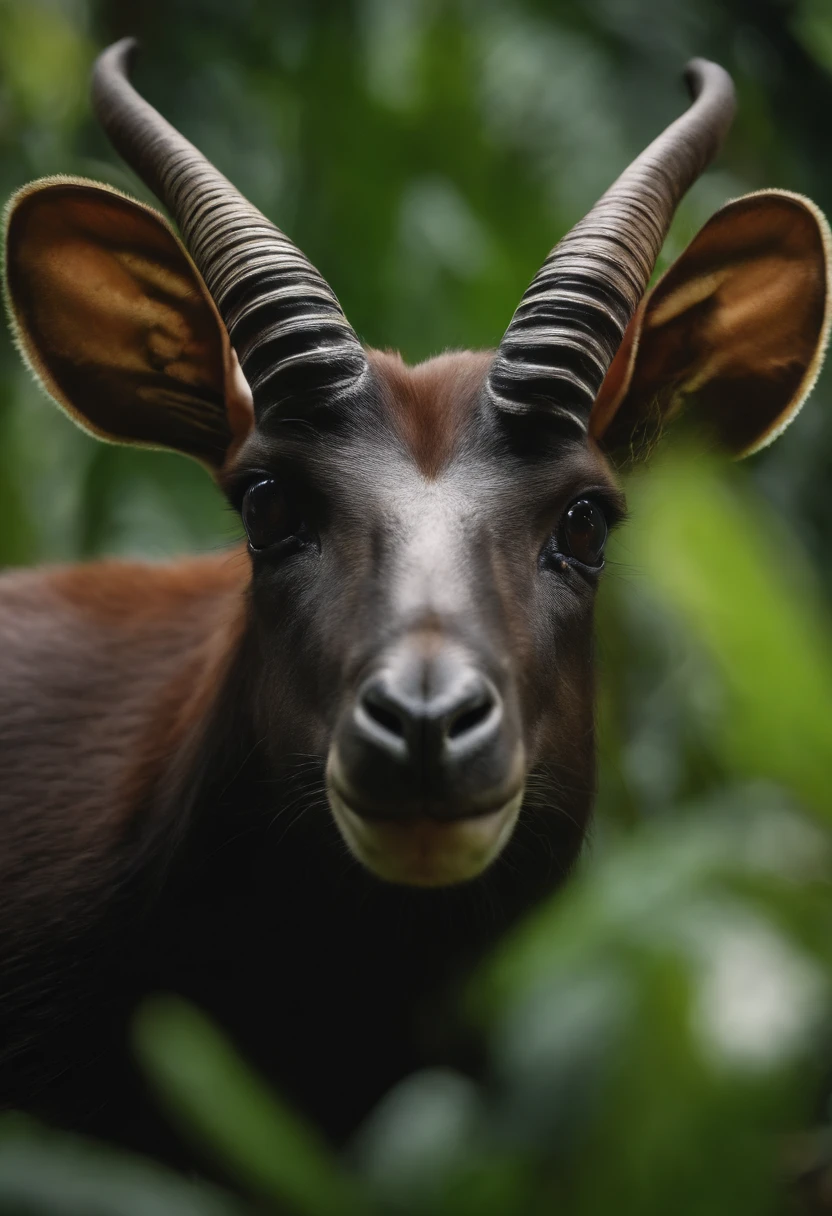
[
  {"x": 650, "y": 1026},
  {"x": 643, "y": 894},
  {"x": 16, "y": 541},
  {"x": 735, "y": 575},
  {"x": 428, "y": 1148},
  {"x": 812, "y": 24},
  {"x": 44, "y": 58},
  {"x": 233, "y": 1117},
  {"x": 44, "y": 1173}
]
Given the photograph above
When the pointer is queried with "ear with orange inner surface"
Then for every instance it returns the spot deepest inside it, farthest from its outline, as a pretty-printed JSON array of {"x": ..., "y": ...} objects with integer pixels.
[
  {"x": 735, "y": 331},
  {"x": 115, "y": 321}
]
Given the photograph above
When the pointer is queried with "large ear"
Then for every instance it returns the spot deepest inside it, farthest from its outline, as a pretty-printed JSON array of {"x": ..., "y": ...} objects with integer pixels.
[
  {"x": 738, "y": 324},
  {"x": 115, "y": 321}
]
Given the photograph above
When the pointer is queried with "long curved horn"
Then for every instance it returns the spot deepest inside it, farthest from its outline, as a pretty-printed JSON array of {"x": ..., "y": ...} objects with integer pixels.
[
  {"x": 570, "y": 322},
  {"x": 283, "y": 319}
]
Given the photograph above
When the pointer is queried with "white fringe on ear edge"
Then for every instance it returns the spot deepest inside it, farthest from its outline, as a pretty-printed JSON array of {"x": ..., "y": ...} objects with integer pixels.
[
  {"x": 812, "y": 372},
  {"x": 23, "y": 345}
]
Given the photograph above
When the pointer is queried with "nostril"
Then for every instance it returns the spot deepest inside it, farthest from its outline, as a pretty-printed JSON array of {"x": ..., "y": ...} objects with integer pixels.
[
  {"x": 469, "y": 719},
  {"x": 385, "y": 718},
  {"x": 480, "y": 708}
]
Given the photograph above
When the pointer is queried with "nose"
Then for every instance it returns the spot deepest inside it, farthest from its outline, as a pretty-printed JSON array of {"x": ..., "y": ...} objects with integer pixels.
[
  {"x": 425, "y": 729},
  {"x": 427, "y": 737}
]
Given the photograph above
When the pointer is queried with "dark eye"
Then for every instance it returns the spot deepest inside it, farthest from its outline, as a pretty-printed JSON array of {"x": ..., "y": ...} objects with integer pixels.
[
  {"x": 583, "y": 533},
  {"x": 268, "y": 517}
]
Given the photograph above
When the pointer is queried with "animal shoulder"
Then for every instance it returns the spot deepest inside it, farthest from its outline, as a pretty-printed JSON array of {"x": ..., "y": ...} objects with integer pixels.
[{"x": 103, "y": 667}]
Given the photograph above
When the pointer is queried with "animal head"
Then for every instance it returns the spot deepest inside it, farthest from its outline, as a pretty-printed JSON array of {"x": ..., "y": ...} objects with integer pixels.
[{"x": 425, "y": 542}]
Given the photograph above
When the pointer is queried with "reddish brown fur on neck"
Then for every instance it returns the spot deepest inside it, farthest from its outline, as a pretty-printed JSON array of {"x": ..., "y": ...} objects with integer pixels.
[{"x": 430, "y": 402}]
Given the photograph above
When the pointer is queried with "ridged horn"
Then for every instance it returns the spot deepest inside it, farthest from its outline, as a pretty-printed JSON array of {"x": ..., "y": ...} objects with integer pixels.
[
  {"x": 570, "y": 322},
  {"x": 283, "y": 319}
]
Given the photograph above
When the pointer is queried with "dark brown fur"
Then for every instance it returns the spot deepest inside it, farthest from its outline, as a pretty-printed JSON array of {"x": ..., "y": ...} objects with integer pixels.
[{"x": 162, "y": 817}]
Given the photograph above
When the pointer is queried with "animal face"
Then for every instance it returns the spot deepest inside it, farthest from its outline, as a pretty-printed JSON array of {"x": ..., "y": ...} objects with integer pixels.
[
  {"x": 425, "y": 542},
  {"x": 430, "y": 607}
]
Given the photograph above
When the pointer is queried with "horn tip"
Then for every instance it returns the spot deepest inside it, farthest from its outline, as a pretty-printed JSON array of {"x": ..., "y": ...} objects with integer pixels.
[
  {"x": 703, "y": 74},
  {"x": 118, "y": 57},
  {"x": 113, "y": 65}
]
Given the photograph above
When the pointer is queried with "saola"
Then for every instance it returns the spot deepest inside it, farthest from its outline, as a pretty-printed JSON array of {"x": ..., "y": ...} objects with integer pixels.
[{"x": 307, "y": 782}]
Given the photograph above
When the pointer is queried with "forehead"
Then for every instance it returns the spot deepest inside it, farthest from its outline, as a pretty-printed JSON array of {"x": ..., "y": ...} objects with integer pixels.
[
  {"x": 433, "y": 409},
  {"x": 424, "y": 431},
  {"x": 430, "y": 405}
]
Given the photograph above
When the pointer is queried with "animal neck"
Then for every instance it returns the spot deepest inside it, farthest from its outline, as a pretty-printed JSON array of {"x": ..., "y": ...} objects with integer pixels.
[{"x": 238, "y": 814}]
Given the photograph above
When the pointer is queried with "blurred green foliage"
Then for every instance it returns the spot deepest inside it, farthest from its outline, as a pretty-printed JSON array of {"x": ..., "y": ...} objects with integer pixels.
[{"x": 658, "y": 1034}]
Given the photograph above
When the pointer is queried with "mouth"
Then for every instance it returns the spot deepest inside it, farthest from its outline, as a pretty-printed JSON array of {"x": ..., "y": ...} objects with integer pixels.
[{"x": 425, "y": 852}]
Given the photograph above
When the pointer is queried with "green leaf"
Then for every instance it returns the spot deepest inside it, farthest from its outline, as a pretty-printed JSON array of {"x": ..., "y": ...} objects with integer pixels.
[
  {"x": 734, "y": 575},
  {"x": 55, "y": 1174},
  {"x": 232, "y": 1115}
]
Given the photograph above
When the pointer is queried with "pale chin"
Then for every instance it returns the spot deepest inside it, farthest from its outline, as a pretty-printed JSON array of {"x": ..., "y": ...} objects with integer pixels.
[{"x": 426, "y": 853}]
